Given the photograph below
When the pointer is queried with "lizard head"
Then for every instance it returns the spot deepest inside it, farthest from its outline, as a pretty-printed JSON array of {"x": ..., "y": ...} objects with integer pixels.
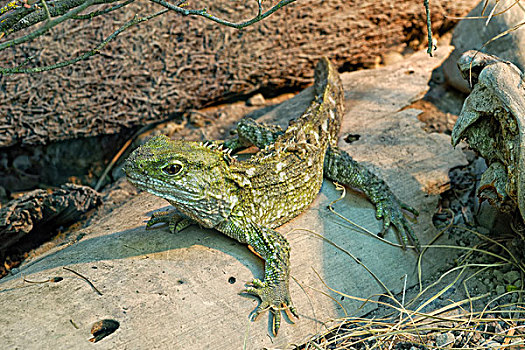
[{"x": 191, "y": 176}]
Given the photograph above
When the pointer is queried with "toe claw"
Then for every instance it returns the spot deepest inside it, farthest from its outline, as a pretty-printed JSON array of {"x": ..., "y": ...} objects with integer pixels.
[
  {"x": 391, "y": 210},
  {"x": 274, "y": 297},
  {"x": 276, "y": 323},
  {"x": 257, "y": 283},
  {"x": 291, "y": 312},
  {"x": 176, "y": 222},
  {"x": 250, "y": 290},
  {"x": 410, "y": 209}
]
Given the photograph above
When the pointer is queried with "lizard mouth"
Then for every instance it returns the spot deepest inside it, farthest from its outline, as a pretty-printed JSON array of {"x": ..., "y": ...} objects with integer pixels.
[
  {"x": 138, "y": 181},
  {"x": 128, "y": 168},
  {"x": 161, "y": 188}
]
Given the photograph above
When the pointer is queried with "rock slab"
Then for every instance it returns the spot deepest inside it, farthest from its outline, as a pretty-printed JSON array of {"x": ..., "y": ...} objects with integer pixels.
[{"x": 179, "y": 291}]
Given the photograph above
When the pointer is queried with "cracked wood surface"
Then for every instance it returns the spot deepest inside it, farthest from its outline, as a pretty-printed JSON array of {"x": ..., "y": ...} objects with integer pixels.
[{"x": 180, "y": 291}]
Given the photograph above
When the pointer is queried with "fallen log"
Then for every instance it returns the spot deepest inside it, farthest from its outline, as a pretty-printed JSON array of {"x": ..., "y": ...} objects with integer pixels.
[{"x": 172, "y": 63}]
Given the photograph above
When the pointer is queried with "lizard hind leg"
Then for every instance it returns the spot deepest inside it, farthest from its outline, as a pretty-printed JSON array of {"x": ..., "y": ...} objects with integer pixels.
[
  {"x": 340, "y": 167},
  {"x": 251, "y": 132}
]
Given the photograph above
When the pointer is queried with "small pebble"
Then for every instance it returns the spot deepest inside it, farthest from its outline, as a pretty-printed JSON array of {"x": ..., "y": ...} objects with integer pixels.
[
  {"x": 491, "y": 344},
  {"x": 445, "y": 339},
  {"x": 392, "y": 57},
  {"x": 499, "y": 275},
  {"x": 256, "y": 100},
  {"x": 500, "y": 289},
  {"x": 511, "y": 276},
  {"x": 22, "y": 163}
]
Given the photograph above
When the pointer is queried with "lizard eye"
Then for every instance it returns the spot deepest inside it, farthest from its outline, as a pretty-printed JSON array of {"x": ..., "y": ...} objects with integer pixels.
[{"x": 173, "y": 168}]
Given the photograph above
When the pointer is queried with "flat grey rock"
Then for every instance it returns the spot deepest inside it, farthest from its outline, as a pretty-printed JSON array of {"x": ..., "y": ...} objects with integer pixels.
[{"x": 179, "y": 291}]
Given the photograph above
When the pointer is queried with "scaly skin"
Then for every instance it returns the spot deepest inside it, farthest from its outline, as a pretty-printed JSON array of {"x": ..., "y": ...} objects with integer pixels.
[{"x": 247, "y": 199}]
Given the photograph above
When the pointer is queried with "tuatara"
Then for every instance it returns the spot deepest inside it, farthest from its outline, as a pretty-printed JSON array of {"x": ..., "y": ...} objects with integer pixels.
[{"x": 247, "y": 200}]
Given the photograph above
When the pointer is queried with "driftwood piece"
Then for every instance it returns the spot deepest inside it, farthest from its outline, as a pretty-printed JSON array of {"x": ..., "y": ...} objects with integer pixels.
[
  {"x": 43, "y": 211},
  {"x": 173, "y": 63},
  {"x": 492, "y": 122}
]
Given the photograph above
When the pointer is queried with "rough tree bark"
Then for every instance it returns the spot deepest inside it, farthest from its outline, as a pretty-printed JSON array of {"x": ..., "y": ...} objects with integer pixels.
[{"x": 173, "y": 63}]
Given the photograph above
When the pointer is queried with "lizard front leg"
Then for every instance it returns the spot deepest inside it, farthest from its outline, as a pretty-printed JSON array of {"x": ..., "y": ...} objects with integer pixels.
[
  {"x": 340, "y": 167},
  {"x": 275, "y": 250}
]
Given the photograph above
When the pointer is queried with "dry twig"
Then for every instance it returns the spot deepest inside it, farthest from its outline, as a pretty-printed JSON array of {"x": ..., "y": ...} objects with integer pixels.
[{"x": 85, "y": 279}]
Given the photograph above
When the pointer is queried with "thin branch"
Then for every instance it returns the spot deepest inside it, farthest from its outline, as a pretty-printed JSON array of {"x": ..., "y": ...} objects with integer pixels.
[
  {"x": 85, "y": 279},
  {"x": 56, "y": 8},
  {"x": 204, "y": 13},
  {"x": 429, "y": 28},
  {"x": 47, "y": 26},
  {"x": 10, "y": 19},
  {"x": 44, "y": 4},
  {"x": 103, "y": 12},
  {"x": 21, "y": 18}
]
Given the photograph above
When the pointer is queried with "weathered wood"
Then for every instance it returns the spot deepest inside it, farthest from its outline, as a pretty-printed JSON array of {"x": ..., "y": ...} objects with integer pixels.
[
  {"x": 173, "y": 63},
  {"x": 180, "y": 291},
  {"x": 492, "y": 122},
  {"x": 42, "y": 211}
]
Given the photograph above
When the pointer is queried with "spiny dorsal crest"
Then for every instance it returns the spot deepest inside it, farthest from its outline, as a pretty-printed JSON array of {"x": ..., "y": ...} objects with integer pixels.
[{"x": 214, "y": 146}]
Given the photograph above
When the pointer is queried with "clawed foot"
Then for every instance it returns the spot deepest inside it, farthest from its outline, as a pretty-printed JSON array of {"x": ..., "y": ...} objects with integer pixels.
[
  {"x": 273, "y": 297},
  {"x": 175, "y": 221},
  {"x": 391, "y": 211}
]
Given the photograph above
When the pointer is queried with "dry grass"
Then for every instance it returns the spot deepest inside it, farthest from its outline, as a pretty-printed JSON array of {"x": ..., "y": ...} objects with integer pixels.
[
  {"x": 413, "y": 329},
  {"x": 498, "y": 324}
]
